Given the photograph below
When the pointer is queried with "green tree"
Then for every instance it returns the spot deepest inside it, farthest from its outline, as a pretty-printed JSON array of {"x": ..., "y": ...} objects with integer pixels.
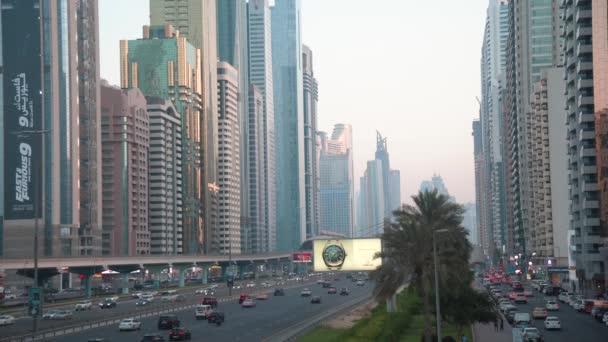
[{"x": 407, "y": 250}]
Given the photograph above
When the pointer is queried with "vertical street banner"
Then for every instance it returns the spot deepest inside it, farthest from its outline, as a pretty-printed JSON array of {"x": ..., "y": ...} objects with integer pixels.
[{"x": 22, "y": 107}]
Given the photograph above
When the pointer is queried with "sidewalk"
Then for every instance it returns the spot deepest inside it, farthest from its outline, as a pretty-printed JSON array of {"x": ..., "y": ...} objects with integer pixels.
[{"x": 487, "y": 333}]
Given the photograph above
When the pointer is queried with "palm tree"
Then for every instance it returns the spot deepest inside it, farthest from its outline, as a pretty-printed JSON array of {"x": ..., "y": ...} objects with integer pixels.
[{"x": 407, "y": 250}]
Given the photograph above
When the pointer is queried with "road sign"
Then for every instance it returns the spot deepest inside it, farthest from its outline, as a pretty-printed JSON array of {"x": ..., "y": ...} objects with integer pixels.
[{"x": 35, "y": 299}]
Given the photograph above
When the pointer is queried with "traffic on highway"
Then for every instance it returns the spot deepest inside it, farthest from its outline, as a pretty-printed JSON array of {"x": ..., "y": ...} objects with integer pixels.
[
  {"x": 537, "y": 311},
  {"x": 259, "y": 308}
]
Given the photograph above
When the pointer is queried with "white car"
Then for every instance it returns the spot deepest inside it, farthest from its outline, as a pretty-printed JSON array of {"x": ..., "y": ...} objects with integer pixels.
[
  {"x": 552, "y": 322},
  {"x": 136, "y": 295},
  {"x": 251, "y": 285},
  {"x": 129, "y": 324},
  {"x": 200, "y": 291},
  {"x": 552, "y": 305},
  {"x": 360, "y": 283},
  {"x": 147, "y": 297},
  {"x": 564, "y": 297},
  {"x": 50, "y": 314},
  {"x": 306, "y": 293},
  {"x": 7, "y": 319},
  {"x": 84, "y": 305},
  {"x": 605, "y": 318}
]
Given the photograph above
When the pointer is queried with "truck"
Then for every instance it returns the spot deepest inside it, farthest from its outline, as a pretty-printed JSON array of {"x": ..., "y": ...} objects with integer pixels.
[{"x": 202, "y": 311}]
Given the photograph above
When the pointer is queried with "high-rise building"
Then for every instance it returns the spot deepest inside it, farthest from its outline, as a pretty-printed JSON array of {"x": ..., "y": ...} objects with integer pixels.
[
  {"x": 493, "y": 59},
  {"x": 372, "y": 206},
  {"x": 470, "y": 223},
  {"x": 382, "y": 155},
  {"x": 395, "y": 182},
  {"x": 90, "y": 135},
  {"x": 42, "y": 167},
  {"x": 289, "y": 124},
  {"x": 196, "y": 21},
  {"x": 255, "y": 235},
  {"x": 583, "y": 61},
  {"x": 226, "y": 238},
  {"x": 550, "y": 216},
  {"x": 165, "y": 178},
  {"x": 337, "y": 181},
  {"x": 232, "y": 47},
  {"x": 261, "y": 76},
  {"x": 311, "y": 168},
  {"x": 483, "y": 231},
  {"x": 533, "y": 45},
  {"x": 125, "y": 144},
  {"x": 436, "y": 184},
  {"x": 164, "y": 64}
]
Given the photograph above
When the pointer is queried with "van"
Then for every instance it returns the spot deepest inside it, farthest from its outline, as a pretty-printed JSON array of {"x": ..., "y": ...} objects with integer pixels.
[
  {"x": 522, "y": 319},
  {"x": 202, "y": 311}
]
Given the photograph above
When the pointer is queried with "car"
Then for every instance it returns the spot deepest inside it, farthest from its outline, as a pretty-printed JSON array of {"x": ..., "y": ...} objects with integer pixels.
[
  {"x": 528, "y": 293},
  {"x": 279, "y": 292},
  {"x": 522, "y": 319},
  {"x": 215, "y": 317},
  {"x": 129, "y": 324},
  {"x": 578, "y": 305},
  {"x": 200, "y": 291},
  {"x": 63, "y": 314},
  {"x": 136, "y": 295},
  {"x": 326, "y": 284},
  {"x": 539, "y": 313},
  {"x": 168, "y": 322},
  {"x": 360, "y": 283},
  {"x": 531, "y": 334},
  {"x": 142, "y": 302},
  {"x": 315, "y": 300},
  {"x": 320, "y": 281},
  {"x": 261, "y": 296},
  {"x": 512, "y": 295},
  {"x": 332, "y": 290},
  {"x": 506, "y": 307},
  {"x": 552, "y": 305},
  {"x": 250, "y": 285},
  {"x": 210, "y": 301},
  {"x": 510, "y": 315},
  {"x": 107, "y": 303},
  {"x": 180, "y": 334},
  {"x": 605, "y": 318},
  {"x": 598, "y": 312},
  {"x": 552, "y": 322},
  {"x": 242, "y": 298},
  {"x": 564, "y": 297},
  {"x": 7, "y": 320},
  {"x": 520, "y": 299},
  {"x": 344, "y": 291},
  {"x": 83, "y": 305},
  {"x": 248, "y": 303},
  {"x": 152, "y": 338},
  {"x": 202, "y": 311},
  {"x": 49, "y": 314},
  {"x": 305, "y": 292}
]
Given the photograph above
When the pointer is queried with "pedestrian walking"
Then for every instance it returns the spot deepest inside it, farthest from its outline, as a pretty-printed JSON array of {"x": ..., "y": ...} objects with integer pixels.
[
  {"x": 502, "y": 325},
  {"x": 496, "y": 324}
]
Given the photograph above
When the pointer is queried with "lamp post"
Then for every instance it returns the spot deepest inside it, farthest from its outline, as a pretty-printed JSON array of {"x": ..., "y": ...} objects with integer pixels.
[{"x": 437, "y": 306}]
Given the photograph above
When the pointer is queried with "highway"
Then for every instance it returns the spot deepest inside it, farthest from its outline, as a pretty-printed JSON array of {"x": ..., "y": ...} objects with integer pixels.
[
  {"x": 242, "y": 324},
  {"x": 576, "y": 326}
]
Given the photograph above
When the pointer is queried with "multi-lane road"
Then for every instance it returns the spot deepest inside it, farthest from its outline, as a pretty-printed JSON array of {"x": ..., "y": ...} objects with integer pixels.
[
  {"x": 576, "y": 326},
  {"x": 242, "y": 324}
]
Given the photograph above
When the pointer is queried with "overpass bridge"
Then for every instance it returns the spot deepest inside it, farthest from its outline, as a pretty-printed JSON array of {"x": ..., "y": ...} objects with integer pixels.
[{"x": 87, "y": 266}]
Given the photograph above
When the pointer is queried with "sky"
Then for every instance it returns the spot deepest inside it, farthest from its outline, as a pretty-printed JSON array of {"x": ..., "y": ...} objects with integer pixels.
[{"x": 408, "y": 69}]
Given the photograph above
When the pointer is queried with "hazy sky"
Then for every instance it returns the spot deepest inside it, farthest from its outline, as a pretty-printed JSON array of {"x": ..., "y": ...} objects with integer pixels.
[{"x": 409, "y": 69}]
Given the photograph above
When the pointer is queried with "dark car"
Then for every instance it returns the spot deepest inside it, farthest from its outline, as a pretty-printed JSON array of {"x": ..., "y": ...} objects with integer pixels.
[
  {"x": 210, "y": 301},
  {"x": 168, "y": 322},
  {"x": 315, "y": 300},
  {"x": 598, "y": 312},
  {"x": 215, "y": 317},
  {"x": 279, "y": 292},
  {"x": 326, "y": 284},
  {"x": 152, "y": 338},
  {"x": 107, "y": 303},
  {"x": 510, "y": 315},
  {"x": 179, "y": 334},
  {"x": 344, "y": 291},
  {"x": 332, "y": 290}
]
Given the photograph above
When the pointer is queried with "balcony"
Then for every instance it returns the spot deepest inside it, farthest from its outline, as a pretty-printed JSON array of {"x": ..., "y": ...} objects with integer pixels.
[
  {"x": 590, "y": 204},
  {"x": 583, "y": 66},
  {"x": 585, "y": 117},
  {"x": 591, "y": 222},
  {"x": 584, "y": 100},
  {"x": 582, "y": 31},
  {"x": 583, "y": 48},
  {"x": 589, "y": 186},
  {"x": 589, "y": 170},
  {"x": 582, "y": 14},
  {"x": 584, "y": 134},
  {"x": 583, "y": 83}
]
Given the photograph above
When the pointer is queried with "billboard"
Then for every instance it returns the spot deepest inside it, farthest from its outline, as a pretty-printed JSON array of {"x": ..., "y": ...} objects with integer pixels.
[
  {"x": 346, "y": 254},
  {"x": 302, "y": 257},
  {"x": 22, "y": 107}
]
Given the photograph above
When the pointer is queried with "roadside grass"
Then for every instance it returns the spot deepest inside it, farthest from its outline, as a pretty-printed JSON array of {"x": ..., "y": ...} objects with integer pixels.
[{"x": 407, "y": 325}]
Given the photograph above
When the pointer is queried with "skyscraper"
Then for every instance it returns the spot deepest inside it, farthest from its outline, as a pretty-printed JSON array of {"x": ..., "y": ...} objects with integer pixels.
[
  {"x": 289, "y": 124},
  {"x": 232, "y": 47},
  {"x": 395, "y": 182},
  {"x": 196, "y": 21},
  {"x": 166, "y": 65},
  {"x": 484, "y": 232},
  {"x": 337, "y": 181},
  {"x": 584, "y": 45},
  {"x": 165, "y": 177},
  {"x": 47, "y": 185},
  {"x": 125, "y": 145},
  {"x": 311, "y": 168},
  {"x": 382, "y": 156},
  {"x": 227, "y": 236},
  {"x": 261, "y": 76}
]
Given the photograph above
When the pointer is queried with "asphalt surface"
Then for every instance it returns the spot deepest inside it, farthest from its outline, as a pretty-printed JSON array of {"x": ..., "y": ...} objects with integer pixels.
[
  {"x": 23, "y": 324},
  {"x": 576, "y": 326},
  {"x": 243, "y": 324}
]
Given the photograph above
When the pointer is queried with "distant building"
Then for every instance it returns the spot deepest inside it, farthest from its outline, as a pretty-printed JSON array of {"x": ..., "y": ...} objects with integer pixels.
[
  {"x": 337, "y": 181},
  {"x": 470, "y": 223},
  {"x": 165, "y": 178},
  {"x": 227, "y": 237},
  {"x": 436, "y": 183},
  {"x": 125, "y": 145},
  {"x": 395, "y": 182}
]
